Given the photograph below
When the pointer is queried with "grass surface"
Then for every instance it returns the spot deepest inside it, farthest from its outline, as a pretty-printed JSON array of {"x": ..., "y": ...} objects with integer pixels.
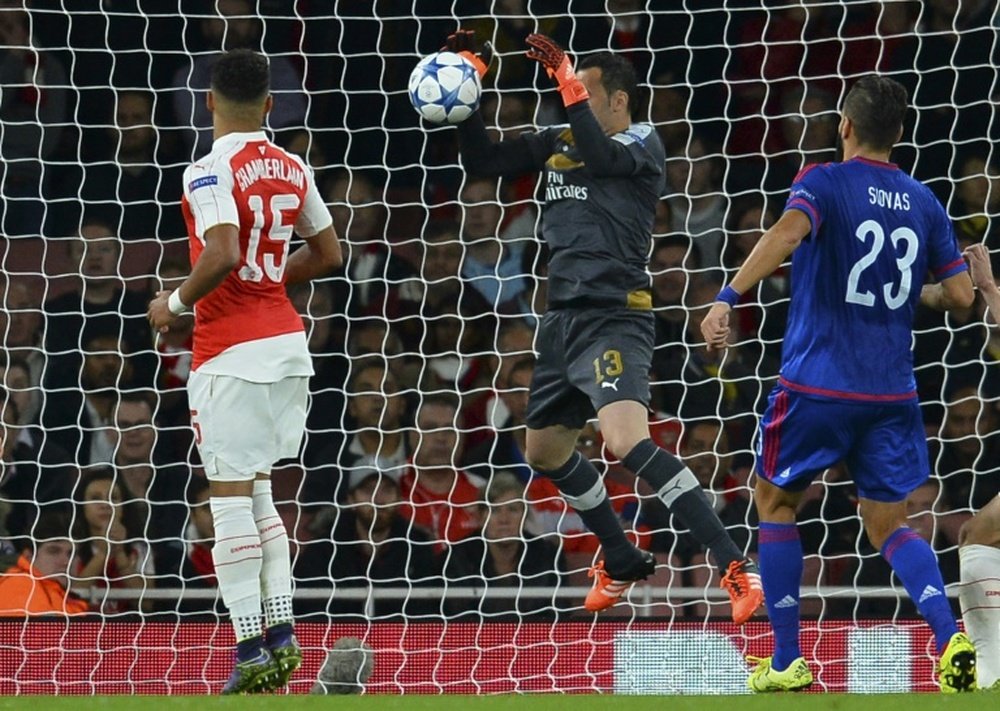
[{"x": 569, "y": 702}]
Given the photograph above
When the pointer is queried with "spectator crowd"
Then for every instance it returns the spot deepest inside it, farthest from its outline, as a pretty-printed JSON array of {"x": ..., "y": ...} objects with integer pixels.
[{"x": 413, "y": 474}]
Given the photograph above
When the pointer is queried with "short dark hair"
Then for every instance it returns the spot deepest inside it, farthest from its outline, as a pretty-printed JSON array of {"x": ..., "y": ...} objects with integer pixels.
[
  {"x": 360, "y": 365},
  {"x": 7, "y": 404},
  {"x": 684, "y": 241},
  {"x": 617, "y": 74},
  {"x": 689, "y": 427},
  {"x": 241, "y": 76},
  {"x": 440, "y": 399},
  {"x": 525, "y": 363},
  {"x": 436, "y": 229},
  {"x": 876, "y": 106},
  {"x": 48, "y": 526}
]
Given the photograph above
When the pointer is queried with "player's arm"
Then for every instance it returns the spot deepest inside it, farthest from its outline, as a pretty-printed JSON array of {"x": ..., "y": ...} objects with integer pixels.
[
  {"x": 772, "y": 250},
  {"x": 209, "y": 192},
  {"x": 982, "y": 276},
  {"x": 481, "y": 156},
  {"x": 602, "y": 154},
  {"x": 321, "y": 254},
  {"x": 217, "y": 260},
  {"x": 955, "y": 292},
  {"x": 768, "y": 254},
  {"x": 954, "y": 287}
]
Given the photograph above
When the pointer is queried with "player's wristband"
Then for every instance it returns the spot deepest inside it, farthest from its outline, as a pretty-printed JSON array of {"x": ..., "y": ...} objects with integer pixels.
[
  {"x": 573, "y": 92},
  {"x": 475, "y": 61},
  {"x": 571, "y": 89},
  {"x": 728, "y": 295},
  {"x": 174, "y": 303}
]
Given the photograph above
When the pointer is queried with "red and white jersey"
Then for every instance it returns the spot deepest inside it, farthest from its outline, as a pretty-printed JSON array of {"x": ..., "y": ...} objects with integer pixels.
[{"x": 247, "y": 327}]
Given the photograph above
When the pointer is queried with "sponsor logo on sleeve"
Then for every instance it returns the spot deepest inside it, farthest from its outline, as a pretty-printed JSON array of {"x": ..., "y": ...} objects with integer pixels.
[{"x": 203, "y": 182}]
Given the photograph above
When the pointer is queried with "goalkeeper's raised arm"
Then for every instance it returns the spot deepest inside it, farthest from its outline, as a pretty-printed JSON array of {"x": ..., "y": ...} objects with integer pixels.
[
  {"x": 593, "y": 120},
  {"x": 481, "y": 156}
]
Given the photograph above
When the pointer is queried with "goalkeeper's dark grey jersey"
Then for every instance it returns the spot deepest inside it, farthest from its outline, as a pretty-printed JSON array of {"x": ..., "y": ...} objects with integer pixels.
[{"x": 599, "y": 202}]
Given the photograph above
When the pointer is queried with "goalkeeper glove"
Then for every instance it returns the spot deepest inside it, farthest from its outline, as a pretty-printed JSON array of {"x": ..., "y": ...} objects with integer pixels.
[
  {"x": 463, "y": 43},
  {"x": 551, "y": 56}
]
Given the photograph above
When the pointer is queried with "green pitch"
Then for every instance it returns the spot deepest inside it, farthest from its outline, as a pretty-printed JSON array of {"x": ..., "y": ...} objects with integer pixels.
[{"x": 532, "y": 702}]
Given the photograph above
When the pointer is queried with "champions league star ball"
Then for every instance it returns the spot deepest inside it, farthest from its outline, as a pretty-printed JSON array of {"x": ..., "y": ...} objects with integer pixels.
[{"x": 445, "y": 88}]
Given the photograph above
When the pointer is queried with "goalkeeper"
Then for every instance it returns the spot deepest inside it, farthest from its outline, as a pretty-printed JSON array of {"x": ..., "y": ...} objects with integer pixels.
[{"x": 603, "y": 177}]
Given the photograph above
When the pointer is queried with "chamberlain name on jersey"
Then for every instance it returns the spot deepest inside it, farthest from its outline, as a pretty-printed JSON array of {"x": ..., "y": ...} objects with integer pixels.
[
  {"x": 270, "y": 169},
  {"x": 857, "y": 279},
  {"x": 247, "y": 327}
]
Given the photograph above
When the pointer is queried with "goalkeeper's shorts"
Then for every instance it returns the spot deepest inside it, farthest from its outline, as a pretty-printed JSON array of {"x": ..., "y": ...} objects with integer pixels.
[{"x": 589, "y": 358}]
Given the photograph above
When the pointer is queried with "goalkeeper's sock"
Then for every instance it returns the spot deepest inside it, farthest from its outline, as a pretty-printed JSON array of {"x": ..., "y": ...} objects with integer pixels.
[
  {"x": 237, "y": 558},
  {"x": 979, "y": 595},
  {"x": 679, "y": 490},
  {"x": 276, "y": 568},
  {"x": 781, "y": 567},
  {"x": 582, "y": 487},
  {"x": 916, "y": 565}
]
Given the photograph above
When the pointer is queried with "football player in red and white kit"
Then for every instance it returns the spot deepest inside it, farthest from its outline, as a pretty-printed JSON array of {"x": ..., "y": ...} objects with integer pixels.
[
  {"x": 979, "y": 538},
  {"x": 250, "y": 370}
]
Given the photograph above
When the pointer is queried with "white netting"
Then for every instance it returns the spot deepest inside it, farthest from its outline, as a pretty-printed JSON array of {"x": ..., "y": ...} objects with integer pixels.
[{"x": 101, "y": 107}]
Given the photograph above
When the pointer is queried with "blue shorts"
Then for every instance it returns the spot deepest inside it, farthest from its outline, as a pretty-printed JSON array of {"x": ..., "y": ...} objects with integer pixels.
[{"x": 883, "y": 445}]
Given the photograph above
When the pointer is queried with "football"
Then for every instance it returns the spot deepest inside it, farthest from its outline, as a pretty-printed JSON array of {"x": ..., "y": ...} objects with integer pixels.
[{"x": 445, "y": 88}]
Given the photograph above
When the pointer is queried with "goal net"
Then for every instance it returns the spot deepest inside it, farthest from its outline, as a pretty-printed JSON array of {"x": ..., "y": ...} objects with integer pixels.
[{"x": 471, "y": 581}]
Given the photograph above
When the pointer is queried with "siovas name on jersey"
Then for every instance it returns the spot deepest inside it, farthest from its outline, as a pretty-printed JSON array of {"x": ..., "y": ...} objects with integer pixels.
[
  {"x": 888, "y": 198},
  {"x": 556, "y": 189}
]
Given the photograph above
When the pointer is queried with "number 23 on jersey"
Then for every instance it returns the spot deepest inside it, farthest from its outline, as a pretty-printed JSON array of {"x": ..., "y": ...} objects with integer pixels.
[{"x": 904, "y": 263}]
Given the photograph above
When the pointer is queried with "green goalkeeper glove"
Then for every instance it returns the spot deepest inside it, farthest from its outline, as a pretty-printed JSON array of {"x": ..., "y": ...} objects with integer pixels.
[
  {"x": 550, "y": 55},
  {"x": 463, "y": 43}
]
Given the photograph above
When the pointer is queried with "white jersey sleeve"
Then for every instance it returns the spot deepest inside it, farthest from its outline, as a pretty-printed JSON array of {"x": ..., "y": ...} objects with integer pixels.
[
  {"x": 209, "y": 192},
  {"x": 314, "y": 215}
]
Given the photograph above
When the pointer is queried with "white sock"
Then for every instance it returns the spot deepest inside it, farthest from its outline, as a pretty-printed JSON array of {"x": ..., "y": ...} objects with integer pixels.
[
  {"x": 237, "y": 556},
  {"x": 979, "y": 596},
  {"x": 276, "y": 571}
]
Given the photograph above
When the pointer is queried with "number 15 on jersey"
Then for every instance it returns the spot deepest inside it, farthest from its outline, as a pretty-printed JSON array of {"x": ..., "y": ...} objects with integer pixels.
[{"x": 268, "y": 259}]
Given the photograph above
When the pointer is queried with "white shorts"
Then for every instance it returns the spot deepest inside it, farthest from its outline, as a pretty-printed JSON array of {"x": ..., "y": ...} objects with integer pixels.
[{"x": 243, "y": 428}]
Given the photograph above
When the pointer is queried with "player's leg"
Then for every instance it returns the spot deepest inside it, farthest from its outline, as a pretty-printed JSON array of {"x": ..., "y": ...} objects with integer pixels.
[
  {"x": 556, "y": 412},
  {"x": 979, "y": 592},
  {"x": 223, "y": 416},
  {"x": 889, "y": 461},
  {"x": 625, "y": 428},
  {"x": 609, "y": 355},
  {"x": 914, "y": 562},
  {"x": 781, "y": 567},
  {"x": 289, "y": 403},
  {"x": 551, "y": 451},
  {"x": 797, "y": 439}
]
